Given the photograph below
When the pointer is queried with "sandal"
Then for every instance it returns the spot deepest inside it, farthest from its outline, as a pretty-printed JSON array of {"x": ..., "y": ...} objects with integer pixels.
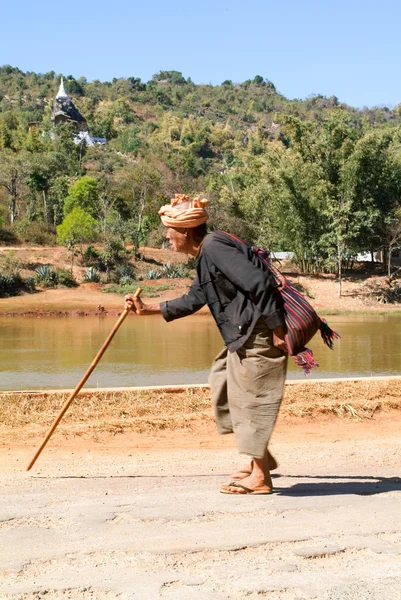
[{"x": 236, "y": 488}]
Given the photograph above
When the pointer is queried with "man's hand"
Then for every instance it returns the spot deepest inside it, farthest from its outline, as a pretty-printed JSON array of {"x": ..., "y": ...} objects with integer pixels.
[
  {"x": 135, "y": 303},
  {"x": 279, "y": 338}
]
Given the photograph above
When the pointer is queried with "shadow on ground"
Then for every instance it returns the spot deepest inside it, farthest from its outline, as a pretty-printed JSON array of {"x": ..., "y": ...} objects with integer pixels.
[{"x": 322, "y": 485}]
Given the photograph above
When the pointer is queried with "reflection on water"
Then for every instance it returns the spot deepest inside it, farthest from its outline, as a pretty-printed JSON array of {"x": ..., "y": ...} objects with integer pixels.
[{"x": 54, "y": 353}]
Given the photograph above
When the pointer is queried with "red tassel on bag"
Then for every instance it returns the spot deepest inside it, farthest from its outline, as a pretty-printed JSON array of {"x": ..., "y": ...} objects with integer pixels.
[
  {"x": 328, "y": 334},
  {"x": 305, "y": 360}
]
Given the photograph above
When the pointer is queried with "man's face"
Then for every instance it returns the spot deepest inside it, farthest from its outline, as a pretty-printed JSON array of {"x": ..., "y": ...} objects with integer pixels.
[{"x": 178, "y": 239}]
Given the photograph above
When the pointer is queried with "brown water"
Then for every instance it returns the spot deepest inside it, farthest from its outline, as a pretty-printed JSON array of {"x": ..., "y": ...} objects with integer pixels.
[{"x": 40, "y": 353}]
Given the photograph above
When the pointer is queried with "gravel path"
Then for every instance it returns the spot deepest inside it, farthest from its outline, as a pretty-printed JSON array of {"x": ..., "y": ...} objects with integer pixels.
[{"x": 151, "y": 525}]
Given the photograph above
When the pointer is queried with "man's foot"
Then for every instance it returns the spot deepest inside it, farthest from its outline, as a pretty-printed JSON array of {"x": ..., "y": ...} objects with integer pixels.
[
  {"x": 246, "y": 471},
  {"x": 256, "y": 483},
  {"x": 237, "y": 488}
]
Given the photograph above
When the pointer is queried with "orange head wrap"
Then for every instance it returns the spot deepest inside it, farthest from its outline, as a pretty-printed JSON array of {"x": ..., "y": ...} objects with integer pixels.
[{"x": 183, "y": 212}]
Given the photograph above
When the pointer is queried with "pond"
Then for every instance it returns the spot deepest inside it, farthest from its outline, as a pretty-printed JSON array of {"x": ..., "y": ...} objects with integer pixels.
[{"x": 54, "y": 353}]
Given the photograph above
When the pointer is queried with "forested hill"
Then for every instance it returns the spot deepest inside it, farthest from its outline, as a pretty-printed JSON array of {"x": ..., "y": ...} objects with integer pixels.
[
  {"x": 109, "y": 106},
  {"x": 314, "y": 176}
]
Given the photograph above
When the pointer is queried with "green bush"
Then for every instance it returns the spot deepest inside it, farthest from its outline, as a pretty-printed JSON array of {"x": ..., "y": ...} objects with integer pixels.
[
  {"x": 13, "y": 285},
  {"x": 124, "y": 275},
  {"x": 10, "y": 264},
  {"x": 114, "y": 254},
  {"x": 91, "y": 257},
  {"x": 33, "y": 232},
  {"x": 66, "y": 278},
  {"x": 8, "y": 237}
]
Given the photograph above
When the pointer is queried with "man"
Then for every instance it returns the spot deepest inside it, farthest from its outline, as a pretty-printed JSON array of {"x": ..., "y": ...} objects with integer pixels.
[{"x": 247, "y": 377}]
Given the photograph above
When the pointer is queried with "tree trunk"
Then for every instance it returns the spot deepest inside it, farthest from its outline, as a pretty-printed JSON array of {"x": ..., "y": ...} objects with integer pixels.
[
  {"x": 141, "y": 210},
  {"x": 339, "y": 274},
  {"x": 13, "y": 208},
  {"x": 45, "y": 205}
]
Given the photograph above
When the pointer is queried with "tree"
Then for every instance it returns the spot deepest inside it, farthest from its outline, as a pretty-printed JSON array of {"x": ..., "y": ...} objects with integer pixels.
[
  {"x": 66, "y": 153},
  {"x": 258, "y": 80},
  {"x": 174, "y": 77},
  {"x": 58, "y": 191},
  {"x": 142, "y": 179},
  {"x": 107, "y": 215},
  {"x": 39, "y": 180},
  {"x": 282, "y": 196},
  {"x": 83, "y": 194},
  {"x": 14, "y": 169},
  {"x": 393, "y": 236},
  {"x": 333, "y": 147},
  {"x": 372, "y": 176},
  {"x": 78, "y": 227}
]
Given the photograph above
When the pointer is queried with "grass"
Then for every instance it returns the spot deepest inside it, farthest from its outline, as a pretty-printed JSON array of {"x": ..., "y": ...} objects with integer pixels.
[
  {"x": 340, "y": 311},
  {"x": 150, "y": 291},
  {"x": 155, "y": 410}
]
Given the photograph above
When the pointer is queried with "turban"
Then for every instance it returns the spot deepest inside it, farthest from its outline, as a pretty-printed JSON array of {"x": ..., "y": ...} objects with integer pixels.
[{"x": 191, "y": 214}]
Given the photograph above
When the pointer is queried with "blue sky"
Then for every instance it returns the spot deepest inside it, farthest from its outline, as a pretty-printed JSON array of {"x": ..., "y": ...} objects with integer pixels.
[{"x": 350, "y": 49}]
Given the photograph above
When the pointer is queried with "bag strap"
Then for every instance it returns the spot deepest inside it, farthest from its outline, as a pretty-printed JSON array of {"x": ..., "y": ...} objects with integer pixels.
[
  {"x": 264, "y": 255},
  {"x": 280, "y": 279}
]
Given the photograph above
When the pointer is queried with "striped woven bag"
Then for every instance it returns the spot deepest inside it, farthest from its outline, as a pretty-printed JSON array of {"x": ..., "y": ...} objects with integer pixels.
[{"x": 301, "y": 319}]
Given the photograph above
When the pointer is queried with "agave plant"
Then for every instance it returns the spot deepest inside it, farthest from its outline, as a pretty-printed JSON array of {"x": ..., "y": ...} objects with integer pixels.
[
  {"x": 126, "y": 280},
  {"x": 30, "y": 283},
  {"x": 171, "y": 271},
  {"x": 46, "y": 275},
  {"x": 125, "y": 271},
  {"x": 153, "y": 274}
]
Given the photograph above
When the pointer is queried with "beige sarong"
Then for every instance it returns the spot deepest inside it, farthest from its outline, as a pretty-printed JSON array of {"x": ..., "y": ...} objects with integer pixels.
[{"x": 247, "y": 387}]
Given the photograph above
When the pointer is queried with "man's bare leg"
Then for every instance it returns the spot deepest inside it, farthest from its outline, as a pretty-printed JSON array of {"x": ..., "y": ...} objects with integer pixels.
[
  {"x": 247, "y": 470},
  {"x": 260, "y": 475}
]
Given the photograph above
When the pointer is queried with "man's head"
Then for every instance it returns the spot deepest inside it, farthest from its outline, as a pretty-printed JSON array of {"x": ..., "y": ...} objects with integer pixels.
[
  {"x": 186, "y": 240},
  {"x": 185, "y": 220}
]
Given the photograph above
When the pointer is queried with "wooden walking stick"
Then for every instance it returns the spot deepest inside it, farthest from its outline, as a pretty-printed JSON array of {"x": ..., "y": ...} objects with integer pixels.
[{"x": 81, "y": 383}]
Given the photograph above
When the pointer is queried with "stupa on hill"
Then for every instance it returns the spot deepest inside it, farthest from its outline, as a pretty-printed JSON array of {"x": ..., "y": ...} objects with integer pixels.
[{"x": 65, "y": 111}]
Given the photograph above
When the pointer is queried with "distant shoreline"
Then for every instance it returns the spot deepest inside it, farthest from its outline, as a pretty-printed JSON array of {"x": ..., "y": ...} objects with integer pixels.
[{"x": 359, "y": 288}]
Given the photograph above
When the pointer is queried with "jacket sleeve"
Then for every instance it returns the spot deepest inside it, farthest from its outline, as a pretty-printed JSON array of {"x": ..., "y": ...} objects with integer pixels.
[
  {"x": 185, "y": 305},
  {"x": 234, "y": 264}
]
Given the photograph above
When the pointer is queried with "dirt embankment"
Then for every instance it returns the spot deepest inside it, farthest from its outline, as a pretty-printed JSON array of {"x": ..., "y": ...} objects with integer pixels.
[
  {"x": 358, "y": 288},
  {"x": 189, "y": 409}
]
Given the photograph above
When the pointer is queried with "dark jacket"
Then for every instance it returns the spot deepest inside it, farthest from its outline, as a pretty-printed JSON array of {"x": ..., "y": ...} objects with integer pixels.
[{"x": 235, "y": 284}]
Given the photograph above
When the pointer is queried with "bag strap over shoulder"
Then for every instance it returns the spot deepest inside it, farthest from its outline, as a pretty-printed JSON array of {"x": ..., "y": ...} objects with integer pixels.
[{"x": 280, "y": 279}]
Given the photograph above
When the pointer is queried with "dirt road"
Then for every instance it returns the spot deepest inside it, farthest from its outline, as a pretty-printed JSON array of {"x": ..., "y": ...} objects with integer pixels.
[{"x": 140, "y": 517}]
